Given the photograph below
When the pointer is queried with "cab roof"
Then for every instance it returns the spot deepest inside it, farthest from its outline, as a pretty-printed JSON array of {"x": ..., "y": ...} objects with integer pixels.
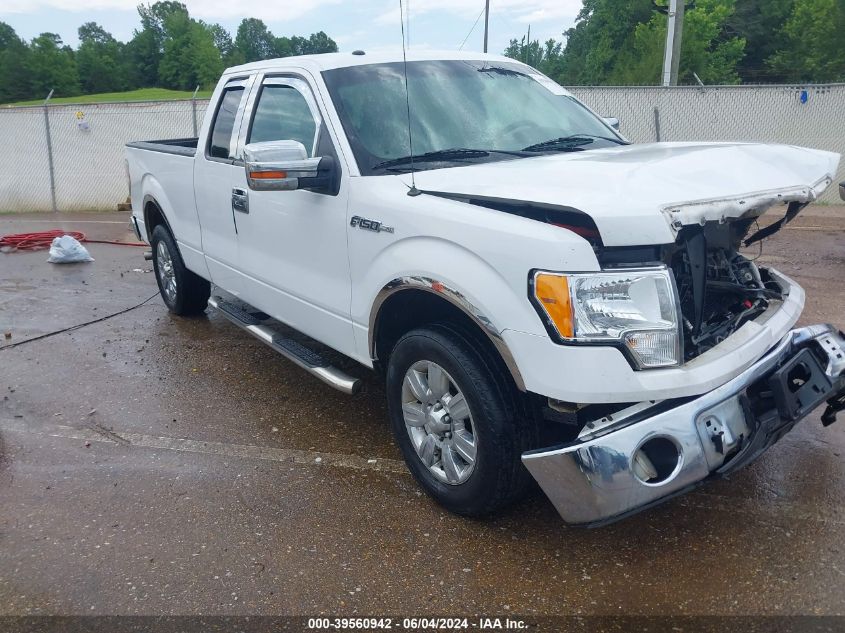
[{"x": 330, "y": 61}]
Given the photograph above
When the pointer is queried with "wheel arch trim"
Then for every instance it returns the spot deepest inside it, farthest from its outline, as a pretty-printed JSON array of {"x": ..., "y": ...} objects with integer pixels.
[
  {"x": 457, "y": 299},
  {"x": 147, "y": 201}
]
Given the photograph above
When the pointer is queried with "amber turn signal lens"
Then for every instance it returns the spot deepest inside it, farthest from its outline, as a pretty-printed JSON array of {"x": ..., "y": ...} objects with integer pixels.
[
  {"x": 268, "y": 175},
  {"x": 552, "y": 291}
]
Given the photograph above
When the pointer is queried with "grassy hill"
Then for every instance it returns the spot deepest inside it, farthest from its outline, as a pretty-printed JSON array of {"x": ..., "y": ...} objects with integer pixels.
[{"x": 143, "y": 94}]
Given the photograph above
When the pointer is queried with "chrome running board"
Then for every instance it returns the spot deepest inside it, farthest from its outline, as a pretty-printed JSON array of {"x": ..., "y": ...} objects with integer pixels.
[{"x": 296, "y": 352}]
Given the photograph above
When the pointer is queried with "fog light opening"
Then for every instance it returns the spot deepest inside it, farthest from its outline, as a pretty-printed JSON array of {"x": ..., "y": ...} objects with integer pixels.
[
  {"x": 656, "y": 461},
  {"x": 798, "y": 376}
]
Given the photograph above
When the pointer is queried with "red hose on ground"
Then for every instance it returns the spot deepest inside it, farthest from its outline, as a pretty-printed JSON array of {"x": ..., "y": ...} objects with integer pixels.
[{"x": 42, "y": 240}]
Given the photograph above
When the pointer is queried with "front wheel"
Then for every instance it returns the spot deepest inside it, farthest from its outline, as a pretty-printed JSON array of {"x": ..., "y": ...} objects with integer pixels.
[
  {"x": 454, "y": 416},
  {"x": 184, "y": 293}
]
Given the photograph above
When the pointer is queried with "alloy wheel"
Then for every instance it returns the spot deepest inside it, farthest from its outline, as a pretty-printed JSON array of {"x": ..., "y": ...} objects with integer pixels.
[
  {"x": 166, "y": 272},
  {"x": 439, "y": 422}
]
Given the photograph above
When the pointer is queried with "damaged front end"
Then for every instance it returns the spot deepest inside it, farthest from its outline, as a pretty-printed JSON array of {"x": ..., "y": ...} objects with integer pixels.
[
  {"x": 650, "y": 452},
  {"x": 635, "y": 455},
  {"x": 719, "y": 288},
  {"x": 726, "y": 375}
]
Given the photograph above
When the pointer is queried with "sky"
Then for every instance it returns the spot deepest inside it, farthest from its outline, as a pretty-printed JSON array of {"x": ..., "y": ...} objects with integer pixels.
[{"x": 354, "y": 24}]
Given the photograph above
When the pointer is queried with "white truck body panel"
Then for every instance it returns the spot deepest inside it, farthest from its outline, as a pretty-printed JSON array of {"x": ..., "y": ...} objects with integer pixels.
[
  {"x": 324, "y": 260},
  {"x": 168, "y": 179},
  {"x": 298, "y": 260},
  {"x": 634, "y": 193}
]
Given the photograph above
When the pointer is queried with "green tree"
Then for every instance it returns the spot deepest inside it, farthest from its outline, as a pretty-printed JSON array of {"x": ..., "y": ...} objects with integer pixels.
[
  {"x": 99, "y": 59},
  {"x": 705, "y": 50},
  {"x": 622, "y": 42},
  {"x": 15, "y": 82},
  {"x": 169, "y": 49},
  {"x": 547, "y": 58},
  {"x": 144, "y": 54},
  {"x": 812, "y": 45},
  {"x": 190, "y": 57},
  {"x": 155, "y": 16},
  {"x": 604, "y": 30},
  {"x": 287, "y": 46},
  {"x": 319, "y": 43},
  {"x": 52, "y": 67},
  {"x": 758, "y": 22},
  {"x": 284, "y": 46},
  {"x": 206, "y": 60},
  {"x": 223, "y": 42},
  {"x": 146, "y": 49},
  {"x": 254, "y": 41}
]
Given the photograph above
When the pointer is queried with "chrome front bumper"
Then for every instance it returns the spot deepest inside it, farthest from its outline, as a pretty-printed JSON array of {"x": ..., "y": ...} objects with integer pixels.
[{"x": 603, "y": 476}]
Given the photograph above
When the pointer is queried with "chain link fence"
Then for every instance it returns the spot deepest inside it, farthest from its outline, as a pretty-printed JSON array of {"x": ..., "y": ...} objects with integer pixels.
[
  {"x": 794, "y": 115},
  {"x": 70, "y": 157}
]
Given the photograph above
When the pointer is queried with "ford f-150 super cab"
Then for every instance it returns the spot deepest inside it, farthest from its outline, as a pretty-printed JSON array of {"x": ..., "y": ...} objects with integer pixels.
[{"x": 542, "y": 297}]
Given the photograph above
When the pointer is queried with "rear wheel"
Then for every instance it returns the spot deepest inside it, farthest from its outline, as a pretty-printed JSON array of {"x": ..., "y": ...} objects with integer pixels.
[
  {"x": 454, "y": 416},
  {"x": 184, "y": 293}
]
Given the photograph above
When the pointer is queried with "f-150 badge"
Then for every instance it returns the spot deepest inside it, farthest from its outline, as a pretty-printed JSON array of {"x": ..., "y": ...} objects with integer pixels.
[{"x": 370, "y": 225}]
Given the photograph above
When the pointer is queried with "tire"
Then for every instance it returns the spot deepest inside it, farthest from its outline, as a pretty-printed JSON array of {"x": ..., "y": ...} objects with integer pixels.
[
  {"x": 498, "y": 431},
  {"x": 184, "y": 293}
]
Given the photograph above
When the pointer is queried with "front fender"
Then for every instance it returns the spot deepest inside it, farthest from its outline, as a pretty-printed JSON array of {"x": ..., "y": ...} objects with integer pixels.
[
  {"x": 462, "y": 272},
  {"x": 477, "y": 258},
  {"x": 460, "y": 277},
  {"x": 456, "y": 298}
]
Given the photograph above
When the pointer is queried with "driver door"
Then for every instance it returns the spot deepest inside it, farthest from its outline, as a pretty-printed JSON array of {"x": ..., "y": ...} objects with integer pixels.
[{"x": 292, "y": 247}]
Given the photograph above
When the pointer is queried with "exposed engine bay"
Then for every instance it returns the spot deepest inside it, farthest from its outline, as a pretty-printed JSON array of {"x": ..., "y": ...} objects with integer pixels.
[{"x": 719, "y": 289}]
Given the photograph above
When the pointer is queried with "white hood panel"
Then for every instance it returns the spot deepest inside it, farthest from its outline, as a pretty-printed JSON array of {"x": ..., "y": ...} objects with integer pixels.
[{"x": 643, "y": 194}]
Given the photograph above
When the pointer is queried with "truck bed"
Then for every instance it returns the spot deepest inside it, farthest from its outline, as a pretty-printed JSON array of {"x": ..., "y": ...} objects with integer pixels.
[
  {"x": 180, "y": 146},
  {"x": 166, "y": 167}
]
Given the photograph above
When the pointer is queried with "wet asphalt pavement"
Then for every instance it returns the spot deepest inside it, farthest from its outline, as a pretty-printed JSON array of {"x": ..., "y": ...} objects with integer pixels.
[{"x": 156, "y": 465}]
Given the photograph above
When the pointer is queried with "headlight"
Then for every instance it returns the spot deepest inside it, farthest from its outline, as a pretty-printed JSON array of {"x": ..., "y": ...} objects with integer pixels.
[{"x": 635, "y": 308}]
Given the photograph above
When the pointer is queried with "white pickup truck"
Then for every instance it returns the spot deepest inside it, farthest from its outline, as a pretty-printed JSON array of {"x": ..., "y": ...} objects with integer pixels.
[{"x": 543, "y": 298}]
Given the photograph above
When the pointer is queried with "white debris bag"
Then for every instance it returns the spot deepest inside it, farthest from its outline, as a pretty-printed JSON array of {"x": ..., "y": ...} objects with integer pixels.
[{"x": 67, "y": 250}]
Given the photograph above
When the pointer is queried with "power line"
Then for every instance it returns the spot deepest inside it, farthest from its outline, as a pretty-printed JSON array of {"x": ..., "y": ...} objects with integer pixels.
[{"x": 461, "y": 47}]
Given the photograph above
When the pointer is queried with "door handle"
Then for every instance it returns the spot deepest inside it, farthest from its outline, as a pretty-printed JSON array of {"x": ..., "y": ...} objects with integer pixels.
[{"x": 240, "y": 200}]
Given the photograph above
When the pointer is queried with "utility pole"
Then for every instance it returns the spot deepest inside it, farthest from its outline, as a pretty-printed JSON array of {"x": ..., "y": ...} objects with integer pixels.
[
  {"x": 50, "y": 151},
  {"x": 674, "y": 34},
  {"x": 527, "y": 51},
  {"x": 486, "y": 23}
]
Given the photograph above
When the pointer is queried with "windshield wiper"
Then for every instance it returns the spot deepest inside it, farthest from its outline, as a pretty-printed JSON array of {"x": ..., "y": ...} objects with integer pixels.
[
  {"x": 443, "y": 154},
  {"x": 501, "y": 71},
  {"x": 569, "y": 143}
]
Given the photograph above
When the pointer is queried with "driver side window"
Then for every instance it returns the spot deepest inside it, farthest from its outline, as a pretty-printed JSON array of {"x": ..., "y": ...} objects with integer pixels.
[{"x": 282, "y": 113}]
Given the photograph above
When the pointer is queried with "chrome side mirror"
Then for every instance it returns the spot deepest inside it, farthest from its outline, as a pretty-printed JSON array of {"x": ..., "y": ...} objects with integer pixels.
[
  {"x": 612, "y": 121},
  {"x": 285, "y": 166}
]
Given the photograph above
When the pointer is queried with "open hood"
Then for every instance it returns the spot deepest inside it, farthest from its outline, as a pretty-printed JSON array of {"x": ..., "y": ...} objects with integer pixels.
[{"x": 644, "y": 194}]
